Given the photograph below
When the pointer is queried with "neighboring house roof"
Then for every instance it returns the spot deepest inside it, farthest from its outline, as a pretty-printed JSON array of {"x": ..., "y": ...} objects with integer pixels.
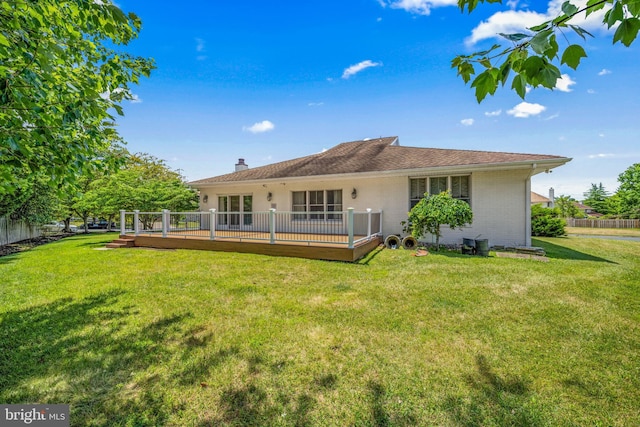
[
  {"x": 582, "y": 207},
  {"x": 537, "y": 198},
  {"x": 378, "y": 155}
]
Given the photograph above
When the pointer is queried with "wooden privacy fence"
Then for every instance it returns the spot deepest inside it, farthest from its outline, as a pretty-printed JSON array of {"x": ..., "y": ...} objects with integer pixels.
[
  {"x": 14, "y": 231},
  {"x": 604, "y": 223}
]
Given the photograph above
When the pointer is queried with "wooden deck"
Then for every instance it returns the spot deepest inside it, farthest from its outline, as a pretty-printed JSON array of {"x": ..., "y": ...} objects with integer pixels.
[{"x": 325, "y": 247}]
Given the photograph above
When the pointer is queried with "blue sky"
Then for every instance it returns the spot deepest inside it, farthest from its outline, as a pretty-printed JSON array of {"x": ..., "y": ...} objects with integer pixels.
[{"x": 273, "y": 80}]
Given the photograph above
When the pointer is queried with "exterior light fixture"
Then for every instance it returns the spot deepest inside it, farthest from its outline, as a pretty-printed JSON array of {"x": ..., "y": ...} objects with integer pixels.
[
  {"x": 269, "y": 196},
  {"x": 354, "y": 193},
  {"x": 205, "y": 198}
]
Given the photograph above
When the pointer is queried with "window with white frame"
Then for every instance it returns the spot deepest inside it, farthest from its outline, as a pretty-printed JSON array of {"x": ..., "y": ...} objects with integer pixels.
[
  {"x": 317, "y": 205},
  {"x": 458, "y": 185},
  {"x": 235, "y": 209}
]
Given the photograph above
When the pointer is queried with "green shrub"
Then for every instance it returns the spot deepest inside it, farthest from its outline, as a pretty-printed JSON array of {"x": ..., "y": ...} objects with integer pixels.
[{"x": 546, "y": 222}]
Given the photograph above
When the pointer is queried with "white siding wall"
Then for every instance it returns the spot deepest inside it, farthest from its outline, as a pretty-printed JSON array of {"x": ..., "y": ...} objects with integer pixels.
[{"x": 498, "y": 200}]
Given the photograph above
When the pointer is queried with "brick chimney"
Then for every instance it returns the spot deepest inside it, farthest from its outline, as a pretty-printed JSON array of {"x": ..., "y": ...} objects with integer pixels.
[{"x": 241, "y": 165}]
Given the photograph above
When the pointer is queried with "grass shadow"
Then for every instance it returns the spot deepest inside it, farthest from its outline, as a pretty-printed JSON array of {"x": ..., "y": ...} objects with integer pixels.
[
  {"x": 494, "y": 400},
  {"x": 365, "y": 260},
  {"x": 84, "y": 353},
  {"x": 562, "y": 252}
]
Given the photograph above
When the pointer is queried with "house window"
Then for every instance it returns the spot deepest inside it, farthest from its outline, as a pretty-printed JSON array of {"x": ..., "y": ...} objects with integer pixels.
[
  {"x": 334, "y": 204},
  {"x": 234, "y": 210},
  {"x": 437, "y": 185},
  {"x": 457, "y": 185},
  {"x": 317, "y": 205},
  {"x": 460, "y": 188},
  {"x": 299, "y": 204},
  {"x": 418, "y": 188}
]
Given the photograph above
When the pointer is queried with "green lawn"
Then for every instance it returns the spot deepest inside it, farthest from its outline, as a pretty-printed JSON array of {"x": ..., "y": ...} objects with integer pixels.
[{"x": 189, "y": 338}]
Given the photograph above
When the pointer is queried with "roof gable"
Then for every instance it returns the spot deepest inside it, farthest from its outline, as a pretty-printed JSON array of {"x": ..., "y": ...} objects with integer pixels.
[{"x": 375, "y": 155}]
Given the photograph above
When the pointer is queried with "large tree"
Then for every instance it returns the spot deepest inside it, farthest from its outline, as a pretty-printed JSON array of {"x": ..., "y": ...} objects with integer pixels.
[
  {"x": 144, "y": 183},
  {"x": 61, "y": 77},
  {"x": 532, "y": 57},
  {"x": 629, "y": 190},
  {"x": 567, "y": 206},
  {"x": 596, "y": 198}
]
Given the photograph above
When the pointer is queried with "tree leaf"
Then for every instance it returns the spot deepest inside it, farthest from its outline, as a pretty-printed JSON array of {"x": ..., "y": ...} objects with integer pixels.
[
  {"x": 540, "y": 42},
  {"x": 572, "y": 56},
  {"x": 519, "y": 85},
  {"x": 532, "y": 67},
  {"x": 594, "y": 6},
  {"x": 580, "y": 31},
  {"x": 627, "y": 31},
  {"x": 515, "y": 37},
  {"x": 485, "y": 83},
  {"x": 549, "y": 76},
  {"x": 569, "y": 9},
  {"x": 540, "y": 27},
  {"x": 613, "y": 15}
]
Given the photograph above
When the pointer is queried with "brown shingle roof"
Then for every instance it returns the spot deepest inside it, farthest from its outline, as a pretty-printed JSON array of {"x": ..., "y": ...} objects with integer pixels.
[
  {"x": 375, "y": 155},
  {"x": 538, "y": 198}
]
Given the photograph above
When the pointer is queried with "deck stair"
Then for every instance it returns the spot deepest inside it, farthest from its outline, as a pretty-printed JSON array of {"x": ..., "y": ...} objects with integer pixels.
[{"x": 122, "y": 242}]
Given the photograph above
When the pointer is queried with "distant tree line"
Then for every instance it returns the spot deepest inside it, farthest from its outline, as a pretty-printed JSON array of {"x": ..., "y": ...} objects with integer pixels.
[
  {"x": 623, "y": 204},
  {"x": 141, "y": 182}
]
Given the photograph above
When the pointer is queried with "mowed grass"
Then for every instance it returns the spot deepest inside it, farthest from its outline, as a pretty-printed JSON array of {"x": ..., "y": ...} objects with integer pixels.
[{"x": 189, "y": 338}]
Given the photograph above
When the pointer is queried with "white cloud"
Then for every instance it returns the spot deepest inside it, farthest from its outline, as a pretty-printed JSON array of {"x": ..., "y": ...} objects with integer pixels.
[
  {"x": 467, "y": 122},
  {"x": 420, "y": 7},
  {"x": 517, "y": 21},
  {"x": 315, "y": 104},
  {"x": 200, "y": 45},
  {"x": 591, "y": 91},
  {"x": 563, "y": 84},
  {"x": 525, "y": 109},
  {"x": 493, "y": 113},
  {"x": 200, "y": 48},
  {"x": 135, "y": 99},
  {"x": 601, "y": 155},
  {"x": 355, "y": 69},
  {"x": 260, "y": 127},
  {"x": 511, "y": 21},
  {"x": 553, "y": 116},
  {"x": 604, "y": 72}
]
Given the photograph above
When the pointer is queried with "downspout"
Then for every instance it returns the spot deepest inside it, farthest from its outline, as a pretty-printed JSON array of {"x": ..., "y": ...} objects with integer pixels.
[{"x": 527, "y": 206}]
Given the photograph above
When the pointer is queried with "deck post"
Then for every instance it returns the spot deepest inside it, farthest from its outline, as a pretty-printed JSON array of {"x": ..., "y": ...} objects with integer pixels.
[
  {"x": 380, "y": 222},
  {"x": 350, "y": 226},
  {"x": 212, "y": 224},
  {"x": 165, "y": 222},
  {"x": 136, "y": 222},
  {"x": 123, "y": 229},
  {"x": 368, "y": 223},
  {"x": 272, "y": 226}
]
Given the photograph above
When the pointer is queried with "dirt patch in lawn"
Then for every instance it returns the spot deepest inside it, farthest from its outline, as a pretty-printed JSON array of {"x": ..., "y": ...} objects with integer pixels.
[
  {"x": 25, "y": 245},
  {"x": 522, "y": 256}
]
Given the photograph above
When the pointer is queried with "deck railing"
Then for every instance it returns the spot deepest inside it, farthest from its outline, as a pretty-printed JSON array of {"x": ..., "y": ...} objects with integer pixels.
[{"x": 347, "y": 228}]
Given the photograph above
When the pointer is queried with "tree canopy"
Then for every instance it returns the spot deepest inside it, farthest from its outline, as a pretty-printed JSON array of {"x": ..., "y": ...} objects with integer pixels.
[
  {"x": 61, "y": 81},
  {"x": 144, "y": 183},
  {"x": 629, "y": 190},
  {"x": 532, "y": 57},
  {"x": 596, "y": 198}
]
